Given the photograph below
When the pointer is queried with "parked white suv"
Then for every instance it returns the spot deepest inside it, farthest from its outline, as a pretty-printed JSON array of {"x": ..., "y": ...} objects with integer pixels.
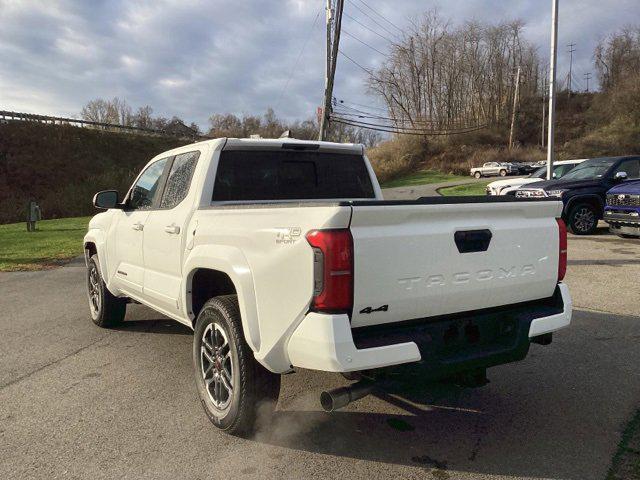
[
  {"x": 282, "y": 254},
  {"x": 511, "y": 185}
]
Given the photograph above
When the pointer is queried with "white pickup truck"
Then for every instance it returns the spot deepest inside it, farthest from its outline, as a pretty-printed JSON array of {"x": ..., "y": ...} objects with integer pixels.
[{"x": 282, "y": 254}]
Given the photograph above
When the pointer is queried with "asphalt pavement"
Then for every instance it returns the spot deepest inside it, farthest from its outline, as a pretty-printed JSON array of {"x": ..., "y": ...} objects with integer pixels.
[{"x": 80, "y": 402}]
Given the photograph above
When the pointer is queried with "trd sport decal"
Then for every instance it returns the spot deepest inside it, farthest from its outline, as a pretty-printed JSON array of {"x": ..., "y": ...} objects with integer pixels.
[{"x": 369, "y": 310}]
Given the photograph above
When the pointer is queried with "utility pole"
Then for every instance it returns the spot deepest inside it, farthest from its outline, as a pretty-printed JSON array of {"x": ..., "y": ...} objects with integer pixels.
[
  {"x": 571, "y": 50},
  {"x": 552, "y": 88},
  {"x": 587, "y": 77},
  {"x": 516, "y": 99},
  {"x": 333, "y": 42},
  {"x": 544, "y": 108}
]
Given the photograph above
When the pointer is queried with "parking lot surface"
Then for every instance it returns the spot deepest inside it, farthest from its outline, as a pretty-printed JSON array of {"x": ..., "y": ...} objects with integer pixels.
[{"x": 80, "y": 402}]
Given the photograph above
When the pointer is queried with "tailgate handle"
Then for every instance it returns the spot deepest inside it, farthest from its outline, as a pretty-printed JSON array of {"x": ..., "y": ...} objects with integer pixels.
[{"x": 473, "y": 240}]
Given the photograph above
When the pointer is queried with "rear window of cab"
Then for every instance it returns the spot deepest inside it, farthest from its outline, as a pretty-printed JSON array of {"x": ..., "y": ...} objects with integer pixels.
[{"x": 290, "y": 175}]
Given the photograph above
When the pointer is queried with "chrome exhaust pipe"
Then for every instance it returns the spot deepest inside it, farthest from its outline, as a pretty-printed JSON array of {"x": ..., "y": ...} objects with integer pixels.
[{"x": 343, "y": 396}]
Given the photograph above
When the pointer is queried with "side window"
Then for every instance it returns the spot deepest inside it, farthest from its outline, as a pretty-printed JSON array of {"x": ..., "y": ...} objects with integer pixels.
[
  {"x": 632, "y": 167},
  {"x": 179, "y": 179},
  {"x": 145, "y": 188},
  {"x": 562, "y": 170}
]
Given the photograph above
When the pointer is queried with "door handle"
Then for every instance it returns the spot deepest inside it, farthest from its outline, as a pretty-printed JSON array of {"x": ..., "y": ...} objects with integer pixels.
[
  {"x": 172, "y": 229},
  {"x": 137, "y": 226}
]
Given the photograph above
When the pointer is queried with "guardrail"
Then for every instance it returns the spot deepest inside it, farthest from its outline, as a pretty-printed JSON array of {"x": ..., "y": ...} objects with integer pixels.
[{"x": 6, "y": 116}]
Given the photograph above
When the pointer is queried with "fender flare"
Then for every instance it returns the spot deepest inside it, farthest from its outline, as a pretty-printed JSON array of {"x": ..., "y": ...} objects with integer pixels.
[
  {"x": 96, "y": 236},
  {"x": 588, "y": 197},
  {"x": 232, "y": 262}
]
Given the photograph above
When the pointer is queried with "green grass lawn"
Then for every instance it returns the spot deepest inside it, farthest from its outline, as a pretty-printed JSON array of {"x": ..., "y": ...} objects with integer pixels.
[
  {"x": 54, "y": 242},
  {"x": 422, "y": 177},
  {"x": 464, "y": 190}
]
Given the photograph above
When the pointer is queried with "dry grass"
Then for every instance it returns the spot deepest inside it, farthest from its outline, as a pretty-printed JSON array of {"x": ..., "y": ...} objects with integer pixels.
[
  {"x": 455, "y": 156},
  {"x": 396, "y": 157}
]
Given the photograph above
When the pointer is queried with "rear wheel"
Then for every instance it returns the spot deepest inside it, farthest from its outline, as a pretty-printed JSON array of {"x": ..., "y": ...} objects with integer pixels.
[
  {"x": 503, "y": 173},
  {"x": 477, "y": 175},
  {"x": 583, "y": 219},
  {"x": 233, "y": 387},
  {"x": 106, "y": 309}
]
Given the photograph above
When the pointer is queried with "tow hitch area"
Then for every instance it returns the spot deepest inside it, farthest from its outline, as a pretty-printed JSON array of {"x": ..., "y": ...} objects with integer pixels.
[{"x": 337, "y": 398}]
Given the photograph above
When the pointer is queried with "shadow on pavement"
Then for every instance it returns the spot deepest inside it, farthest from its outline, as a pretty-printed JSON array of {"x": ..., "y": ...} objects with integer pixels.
[
  {"x": 162, "y": 326},
  {"x": 556, "y": 414}
]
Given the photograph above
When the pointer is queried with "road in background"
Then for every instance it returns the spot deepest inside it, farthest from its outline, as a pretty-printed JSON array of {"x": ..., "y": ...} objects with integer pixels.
[
  {"x": 77, "y": 401},
  {"x": 412, "y": 192}
]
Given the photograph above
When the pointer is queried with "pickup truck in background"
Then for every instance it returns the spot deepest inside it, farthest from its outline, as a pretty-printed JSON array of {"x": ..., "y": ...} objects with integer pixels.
[
  {"x": 511, "y": 185},
  {"x": 622, "y": 211},
  {"x": 282, "y": 254},
  {"x": 493, "y": 169},
  {"x": 583, "y": 190}
]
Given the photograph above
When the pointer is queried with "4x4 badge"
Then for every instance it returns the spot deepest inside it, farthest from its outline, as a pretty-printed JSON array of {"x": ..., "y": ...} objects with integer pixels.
[{"x": 369, "y": 310}]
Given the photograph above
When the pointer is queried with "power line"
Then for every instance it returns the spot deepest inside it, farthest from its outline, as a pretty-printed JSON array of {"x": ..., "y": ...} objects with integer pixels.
[
  {"x": 354, "y": 112},
  {"x": 362, "y": 115},
  {"x": 369, "y": 28},
  {"x": 365, "y": 115},
  {"x": 295, "y": 65},
  {"x": 364, "y": 106},
  {"x": 411, "y": 128},
  {"x": 578, "y": 82},
  {"x": 381, "y": 16},
  {"x": 370, "y": 72},
  {"x": 404, "y": 131},
  {"x": 375, "y": 21},
  {"x": 365, "y": 43}
]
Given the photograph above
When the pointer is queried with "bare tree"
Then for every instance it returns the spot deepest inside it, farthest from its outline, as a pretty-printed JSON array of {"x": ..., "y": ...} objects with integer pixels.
[{"x": 440, "y": 77}]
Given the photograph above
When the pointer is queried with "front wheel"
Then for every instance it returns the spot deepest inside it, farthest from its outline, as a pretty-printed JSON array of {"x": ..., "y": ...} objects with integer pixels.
[
  {"x": 231, "y": 384},
  {"x": 583, "y": 219},
  {"x": 106, "y": 309},
  {"x": 477, "y": 175},
  {"x": 503, "y": 173}
]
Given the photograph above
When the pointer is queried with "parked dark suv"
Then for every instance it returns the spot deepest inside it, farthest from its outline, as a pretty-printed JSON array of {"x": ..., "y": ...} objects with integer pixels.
[{"x": 583, "y": 190}]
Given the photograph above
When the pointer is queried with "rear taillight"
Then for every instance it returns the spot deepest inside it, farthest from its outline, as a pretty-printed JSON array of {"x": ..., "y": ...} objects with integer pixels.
[
  {"x": 562, "y": 246},
  {"x": 332, "y": 270}
]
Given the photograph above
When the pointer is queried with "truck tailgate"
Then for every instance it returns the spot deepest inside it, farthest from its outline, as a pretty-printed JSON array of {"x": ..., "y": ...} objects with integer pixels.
[{"x": 408, "y": 264}]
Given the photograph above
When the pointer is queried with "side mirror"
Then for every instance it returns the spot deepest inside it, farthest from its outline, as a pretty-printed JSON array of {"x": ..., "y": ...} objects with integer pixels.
[
  {"x": 555, "y": 175},
  {"x": 106, "y": 199},
  {"x": 621, "y": 176}
]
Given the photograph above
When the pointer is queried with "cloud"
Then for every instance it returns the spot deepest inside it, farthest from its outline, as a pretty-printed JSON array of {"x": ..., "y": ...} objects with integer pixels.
[{"x": 192, "y": 58}]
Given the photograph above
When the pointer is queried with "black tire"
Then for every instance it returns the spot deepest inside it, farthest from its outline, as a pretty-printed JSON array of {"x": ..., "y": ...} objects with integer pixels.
[
  {"x": 583, "y": 219},
  {"x": 503, "y": 173},
  {"x": 255, "y": 390},
  {"x": 477, "y": 175},
  {"x": 106, "y": 309}
]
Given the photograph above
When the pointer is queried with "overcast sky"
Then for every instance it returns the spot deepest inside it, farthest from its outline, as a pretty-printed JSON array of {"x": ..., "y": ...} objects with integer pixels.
[{"x": 192, "y": 58}]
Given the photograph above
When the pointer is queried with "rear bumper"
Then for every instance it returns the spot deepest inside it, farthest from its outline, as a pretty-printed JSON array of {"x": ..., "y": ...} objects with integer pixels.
[{"x": 444, "y": 345}]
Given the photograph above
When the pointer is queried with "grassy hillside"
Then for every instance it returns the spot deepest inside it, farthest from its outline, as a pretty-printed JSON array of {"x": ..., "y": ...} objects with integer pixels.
[
  {"x": 587, "y": 126},
  {"x": 63, "y": 166}
]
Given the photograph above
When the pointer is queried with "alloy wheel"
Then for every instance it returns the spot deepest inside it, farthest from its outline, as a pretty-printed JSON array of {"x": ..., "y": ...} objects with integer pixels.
[
  {"x": 93, "y": 285},
  {"x": 217, "y": 366},
  {"x": 584, "y": 219}
]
